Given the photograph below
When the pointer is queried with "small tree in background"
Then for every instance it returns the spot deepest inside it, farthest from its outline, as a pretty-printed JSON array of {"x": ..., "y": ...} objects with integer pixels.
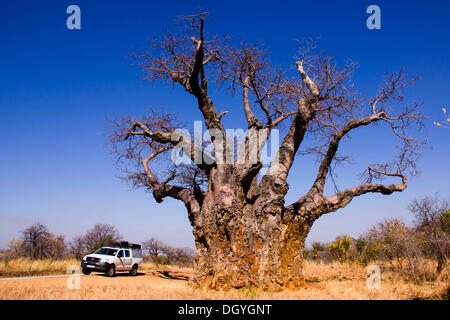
[
  {"x": 317, "y": 248},
  {"x": 341, "y": 248},
  {"x": 77, "y": 247},
  {"x": 389, "y": 240},
  {"x": 99, "y": 236},
  {"x": 16, "y": 248},
  {"x": 393, "y": 242},
  {"x": 39, "y": 243},
  {"x": 360, "y": 246},
  {"x": 56, "y": 247},
  {"x": 431, "y": 226},
  {"x": 183, "y": 257},
  {"x": 445, "y": 221},
  {"x": 35, "y": 240},
  {"x": 154, "y": 247}
]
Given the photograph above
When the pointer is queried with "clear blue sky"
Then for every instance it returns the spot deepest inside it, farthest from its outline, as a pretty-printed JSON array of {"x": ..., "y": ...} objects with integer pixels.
[{"x": 58, "y": 88}]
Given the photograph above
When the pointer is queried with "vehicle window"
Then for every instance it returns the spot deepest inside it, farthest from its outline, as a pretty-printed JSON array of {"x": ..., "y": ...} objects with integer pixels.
[
  {"x": 120, "y": 254},
  {"x": 127, "y": 253},
  {"x": 106, "y": 251}
]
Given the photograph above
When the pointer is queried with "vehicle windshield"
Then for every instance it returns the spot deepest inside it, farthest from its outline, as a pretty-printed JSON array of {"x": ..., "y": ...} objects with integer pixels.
[{"x": 106, "y": 251}]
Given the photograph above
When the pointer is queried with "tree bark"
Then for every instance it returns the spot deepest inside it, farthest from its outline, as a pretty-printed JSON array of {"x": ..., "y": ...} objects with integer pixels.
[
  {"x": 245, "y": 243},
  {"x": 258, "y": 242},
  {"x": 237, "y": 249}
]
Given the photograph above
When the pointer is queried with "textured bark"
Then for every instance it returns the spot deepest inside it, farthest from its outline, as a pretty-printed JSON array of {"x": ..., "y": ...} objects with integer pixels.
[{"x": 243, "y": 244}]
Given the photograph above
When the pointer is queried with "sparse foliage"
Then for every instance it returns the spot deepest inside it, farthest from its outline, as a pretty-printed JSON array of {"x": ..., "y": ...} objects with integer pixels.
[
  {"x": 99, "y": 236},
  {"x": 154, "y": 247},
  {"x": 38, "y": 243},
  {"x": 162, "y": 253},
  {"x": 431, "y": 225},
  {"x": 317, "y": 248},
  {"x": 77, "y": 247},
  {"x": 360, "y": 245},
  {"x": 444, "y": 219},
  {"x": 389, "y": 240}
]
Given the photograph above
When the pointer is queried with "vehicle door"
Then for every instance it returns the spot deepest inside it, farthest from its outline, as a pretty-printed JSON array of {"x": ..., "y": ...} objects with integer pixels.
[
  {"x": 120, "y": 260},
  {"x": 127, "y": 260}
]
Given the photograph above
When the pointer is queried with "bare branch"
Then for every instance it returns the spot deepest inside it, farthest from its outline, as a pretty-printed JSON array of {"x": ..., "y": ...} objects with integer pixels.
[
  {"x": 333, "y": 147},
  {"x": 182, "y": 59},
  {"x": 341, "y": 199}
]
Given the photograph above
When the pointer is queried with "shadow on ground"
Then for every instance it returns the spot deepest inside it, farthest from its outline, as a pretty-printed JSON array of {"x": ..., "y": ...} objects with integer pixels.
[
  {"x": 163, "y": 274},
  {"x": 171, "y": 274},
  {"x": 120, "y": 274}
]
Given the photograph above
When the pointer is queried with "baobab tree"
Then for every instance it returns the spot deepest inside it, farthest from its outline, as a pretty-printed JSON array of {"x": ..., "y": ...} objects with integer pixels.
[{"x": 245, "y": 233}]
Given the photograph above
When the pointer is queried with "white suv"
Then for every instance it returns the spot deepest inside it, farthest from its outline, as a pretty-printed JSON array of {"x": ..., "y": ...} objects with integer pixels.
[{"x": 123, "y": 257}]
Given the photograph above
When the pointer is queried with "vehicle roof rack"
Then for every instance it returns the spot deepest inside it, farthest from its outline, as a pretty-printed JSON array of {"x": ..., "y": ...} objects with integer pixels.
[{"x": 126, "y": 244}]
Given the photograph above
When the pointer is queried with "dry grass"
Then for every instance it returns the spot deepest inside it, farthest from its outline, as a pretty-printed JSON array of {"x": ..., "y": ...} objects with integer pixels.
[
  {"x": 324, "y": 281},
  {"x": 25, "y": 267}
]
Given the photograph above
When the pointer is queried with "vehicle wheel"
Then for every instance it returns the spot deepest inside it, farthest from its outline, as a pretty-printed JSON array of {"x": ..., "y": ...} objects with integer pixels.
[
  {"x": 86, "y": 271},
  {"x": 111, "y": 272},
  {"x": 134, "y": 270}
]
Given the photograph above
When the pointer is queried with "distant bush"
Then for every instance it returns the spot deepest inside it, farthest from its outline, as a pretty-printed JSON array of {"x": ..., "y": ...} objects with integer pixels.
[
  {"x": 401, "y": 248},
  {"x": 341, "y": 248},
  {"x": 389, "y": 240},
  {"x": 444, "y": 219},
  {"x": 36, "y": 242},
  {"x": 99, "y": 236},
  {"x": 161, "y": 253},
  {"x": 432, "y": 228}
]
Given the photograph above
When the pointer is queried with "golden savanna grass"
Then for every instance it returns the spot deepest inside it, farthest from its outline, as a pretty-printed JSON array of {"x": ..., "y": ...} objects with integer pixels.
[
  {"x": 323, "y": 281},
  {"x": 24, "y": 267}
]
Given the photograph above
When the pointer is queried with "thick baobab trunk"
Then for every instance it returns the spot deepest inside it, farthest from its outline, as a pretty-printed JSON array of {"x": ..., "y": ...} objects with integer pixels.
[{"x": 239, "y": 246}]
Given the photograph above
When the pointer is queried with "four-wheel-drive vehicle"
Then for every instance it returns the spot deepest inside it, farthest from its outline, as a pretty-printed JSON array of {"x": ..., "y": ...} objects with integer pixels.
[{"x": 120, "y": 257}]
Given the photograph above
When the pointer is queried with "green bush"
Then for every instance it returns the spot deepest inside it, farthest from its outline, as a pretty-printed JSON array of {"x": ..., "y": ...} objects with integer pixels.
[
  {"x": 317, "y": 248},
  {"x": 360, "y": 245},
  {"x": 341, "y": 248},
  {"x": 164, "y": 260},
  {"x": 445, "y": 221}
]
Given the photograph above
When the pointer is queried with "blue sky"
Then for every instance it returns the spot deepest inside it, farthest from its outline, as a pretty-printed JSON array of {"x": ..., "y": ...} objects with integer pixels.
[{"x": 58, "y": 87}]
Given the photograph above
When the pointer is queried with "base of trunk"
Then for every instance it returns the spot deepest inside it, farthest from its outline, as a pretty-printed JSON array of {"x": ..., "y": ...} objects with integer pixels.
[
  {"x": 249, "y": 251},
  {"x": 225, "y": 280}
]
